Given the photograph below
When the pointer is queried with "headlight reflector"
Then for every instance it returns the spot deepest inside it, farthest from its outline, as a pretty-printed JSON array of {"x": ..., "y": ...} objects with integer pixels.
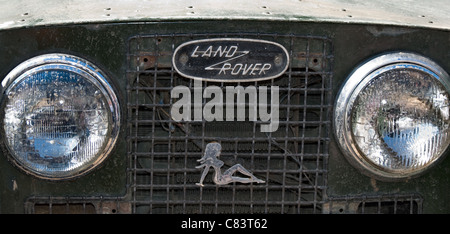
[
  {"x": 61, "y": 116},
  {"x": 392, "y": 115}
]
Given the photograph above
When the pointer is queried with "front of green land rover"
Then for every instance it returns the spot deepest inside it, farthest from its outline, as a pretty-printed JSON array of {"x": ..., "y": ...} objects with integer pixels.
[{"x": 199, "y": 107}]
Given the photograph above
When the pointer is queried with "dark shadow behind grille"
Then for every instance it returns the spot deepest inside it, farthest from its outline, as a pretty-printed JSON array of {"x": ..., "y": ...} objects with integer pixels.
[
  {"x": 163, "y": 153},
  {"x": 378, "y": 204}
]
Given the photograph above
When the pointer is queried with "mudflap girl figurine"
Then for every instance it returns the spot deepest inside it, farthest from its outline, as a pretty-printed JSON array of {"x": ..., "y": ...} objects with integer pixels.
[{"x": 210, "y": 159}]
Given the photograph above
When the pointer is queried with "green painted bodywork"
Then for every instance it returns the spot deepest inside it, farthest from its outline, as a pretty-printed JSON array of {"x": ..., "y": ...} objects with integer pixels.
[
  {"x": 410, "y": 13},
  {"x": 105, "y": 43}
]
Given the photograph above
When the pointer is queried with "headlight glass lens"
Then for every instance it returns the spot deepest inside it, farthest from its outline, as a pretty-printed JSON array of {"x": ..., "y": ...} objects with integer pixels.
[
  {"x": 400, "y": 120},
  {"x": 60, "y": 118},
  {"x": 394, "y": 119}
]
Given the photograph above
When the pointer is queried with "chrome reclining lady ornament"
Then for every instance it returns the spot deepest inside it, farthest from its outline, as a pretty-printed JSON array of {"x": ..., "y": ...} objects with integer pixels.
[{"x": 210, "y": 159}]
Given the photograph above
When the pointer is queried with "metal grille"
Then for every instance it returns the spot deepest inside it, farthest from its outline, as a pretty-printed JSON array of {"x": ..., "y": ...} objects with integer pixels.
[
  {"x": 76, "y": 205},
  {"x": 163, "y": 153},
  {"x": 380, "y": 204}
]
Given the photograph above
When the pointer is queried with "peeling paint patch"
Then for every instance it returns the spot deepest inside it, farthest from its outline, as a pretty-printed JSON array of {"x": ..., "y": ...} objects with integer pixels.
[
  {"x": 388, "y": 31},
  {"x": 14, "y": 185},
  {"x": 373, "y": 183}
]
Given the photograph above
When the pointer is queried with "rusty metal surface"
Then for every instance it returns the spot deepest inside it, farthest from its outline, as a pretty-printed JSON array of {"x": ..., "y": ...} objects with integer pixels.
[{"x": 412, "y": 13}]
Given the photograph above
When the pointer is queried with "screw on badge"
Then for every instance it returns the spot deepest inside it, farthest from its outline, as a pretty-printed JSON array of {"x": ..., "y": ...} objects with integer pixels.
[{"x": 210, "y": 159}]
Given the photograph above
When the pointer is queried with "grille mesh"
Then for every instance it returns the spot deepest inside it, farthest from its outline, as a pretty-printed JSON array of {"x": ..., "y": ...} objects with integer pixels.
[
  {"x": 163, "y": 153},
  {"x": 379, "y": 204}
]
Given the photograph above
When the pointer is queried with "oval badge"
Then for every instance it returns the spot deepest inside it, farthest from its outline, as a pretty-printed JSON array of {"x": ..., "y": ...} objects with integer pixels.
[{"x": 230, "y": 59}]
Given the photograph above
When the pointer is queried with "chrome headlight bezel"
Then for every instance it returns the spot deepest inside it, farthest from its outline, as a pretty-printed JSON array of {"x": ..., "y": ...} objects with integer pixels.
[
  {"x": 355, "y": 83},
  {"x": 86, "y": 70}
]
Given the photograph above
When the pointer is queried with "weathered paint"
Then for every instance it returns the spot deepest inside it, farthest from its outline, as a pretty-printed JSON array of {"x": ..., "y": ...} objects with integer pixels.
[{"x": 411, "y": 13}]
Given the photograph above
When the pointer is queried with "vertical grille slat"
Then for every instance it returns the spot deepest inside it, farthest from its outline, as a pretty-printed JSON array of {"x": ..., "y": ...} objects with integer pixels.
[{"x": 163, "y": 153}]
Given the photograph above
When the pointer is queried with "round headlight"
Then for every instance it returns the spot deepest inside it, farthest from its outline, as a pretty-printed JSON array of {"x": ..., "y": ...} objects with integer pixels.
[
  {"x": 60, "y": 116},
  {"x": 392, "y": 115}
]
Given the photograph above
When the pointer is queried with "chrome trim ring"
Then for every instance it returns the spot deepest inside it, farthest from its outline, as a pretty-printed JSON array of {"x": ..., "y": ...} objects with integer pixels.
[{"x": 349, "y": 92}]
